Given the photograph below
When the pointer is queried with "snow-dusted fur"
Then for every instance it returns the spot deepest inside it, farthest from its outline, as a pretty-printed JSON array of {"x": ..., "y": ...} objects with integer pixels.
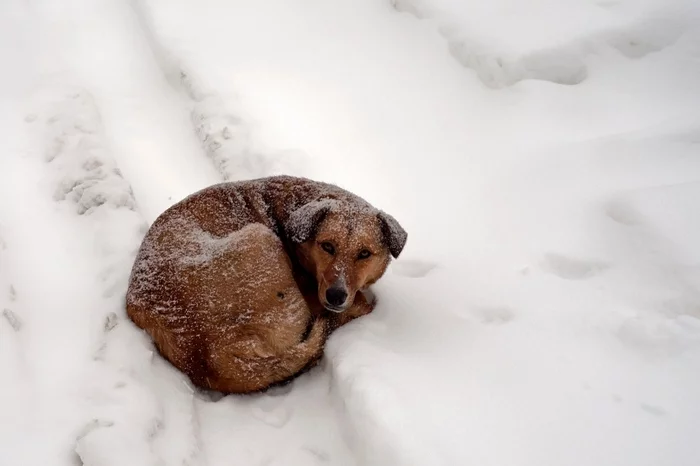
[{"x": 231, "y": 282}]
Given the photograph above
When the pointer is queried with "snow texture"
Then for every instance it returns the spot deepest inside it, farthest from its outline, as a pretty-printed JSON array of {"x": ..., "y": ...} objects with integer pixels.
[{"x": 542, "y": 155}]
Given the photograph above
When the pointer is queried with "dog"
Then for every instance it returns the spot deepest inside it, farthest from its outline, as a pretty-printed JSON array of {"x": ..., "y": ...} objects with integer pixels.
[{"x": 240, "y": 284}]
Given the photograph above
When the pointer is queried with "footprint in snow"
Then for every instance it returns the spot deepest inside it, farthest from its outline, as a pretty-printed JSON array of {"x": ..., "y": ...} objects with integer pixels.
[
  {"x": 318, "y": 454},
  {"x": 413, "y": 268},
  {"x": 408, "y": 6},
  {"x": 271, "y": 414},
  {"x": 93, "y": 425},
  {"x": 75, "y": 146},
  {"x": 569, "y": 268},
  {"x": 12, "y": 319},
  {"x": 622, "y": 213},
  {"x": 639, "y": 40},
  {"x": 653, "y": 410},
  {"x": 495, "y": 315},
  {"x": 111, "y": 321}
]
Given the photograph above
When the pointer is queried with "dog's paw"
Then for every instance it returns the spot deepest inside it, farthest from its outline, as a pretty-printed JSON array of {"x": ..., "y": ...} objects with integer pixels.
[
  {"x": 370, "y": 299},
  {"x": 365, "y": 303}
]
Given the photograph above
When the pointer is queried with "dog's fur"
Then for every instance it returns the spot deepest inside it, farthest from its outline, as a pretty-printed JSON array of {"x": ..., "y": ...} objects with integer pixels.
[{"x": 240, "y": 284}]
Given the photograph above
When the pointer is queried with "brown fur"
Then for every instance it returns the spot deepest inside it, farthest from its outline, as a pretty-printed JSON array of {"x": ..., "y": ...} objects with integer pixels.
[{"x": 231, "y": 283}]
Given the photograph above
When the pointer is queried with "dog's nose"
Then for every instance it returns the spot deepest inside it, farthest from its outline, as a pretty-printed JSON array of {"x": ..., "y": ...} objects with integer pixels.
[{"x": 336, "y": 296}]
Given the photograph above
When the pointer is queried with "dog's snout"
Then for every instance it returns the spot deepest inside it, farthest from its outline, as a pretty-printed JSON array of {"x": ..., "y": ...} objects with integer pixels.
[{"x": 336, "y": 296}]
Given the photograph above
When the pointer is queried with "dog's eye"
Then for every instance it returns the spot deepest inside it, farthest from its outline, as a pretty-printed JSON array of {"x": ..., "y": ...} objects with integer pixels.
[
  {"x": 364, "y": 254},
  {"x": 328, "y": 247}
]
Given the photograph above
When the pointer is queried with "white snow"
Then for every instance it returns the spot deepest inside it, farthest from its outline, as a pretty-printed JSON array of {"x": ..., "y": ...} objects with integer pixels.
[{"x": 543, "y": 155}]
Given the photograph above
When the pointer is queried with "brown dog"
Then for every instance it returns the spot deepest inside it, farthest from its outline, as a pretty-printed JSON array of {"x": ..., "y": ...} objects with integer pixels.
[{"x": 240, "y": 284}]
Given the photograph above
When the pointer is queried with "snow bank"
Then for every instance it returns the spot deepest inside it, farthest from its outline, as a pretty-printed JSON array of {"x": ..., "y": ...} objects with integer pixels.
[{"x": 505, "y": 42}]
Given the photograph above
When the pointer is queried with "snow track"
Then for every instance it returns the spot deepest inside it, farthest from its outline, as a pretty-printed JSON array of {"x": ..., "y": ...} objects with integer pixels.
[
  {"x": 542, "y": 156},
  {"x": 218, "y": 121},
  {"x": 82, "y": 328},
  {"x": 558, "y": 54},
  {"x": 148, "y": 127}
]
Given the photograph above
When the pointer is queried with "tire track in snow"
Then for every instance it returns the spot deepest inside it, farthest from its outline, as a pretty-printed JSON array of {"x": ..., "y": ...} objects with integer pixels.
[
  {"x": 146, "y": 129},
  {"x": 146, "y": 122},
  {"x": 226, "y": 138},
  {"x": 123, "y": 420},
  {"x": 223, "y": 131},
  {"x": 7, "y": 302},
  {"x": 15, "y": 395}
]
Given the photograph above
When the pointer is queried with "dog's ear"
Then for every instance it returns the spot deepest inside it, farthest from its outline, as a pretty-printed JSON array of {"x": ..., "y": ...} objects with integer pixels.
[
  {"x": 304, "y": 221},
  {"x": 394, "y": 235}
]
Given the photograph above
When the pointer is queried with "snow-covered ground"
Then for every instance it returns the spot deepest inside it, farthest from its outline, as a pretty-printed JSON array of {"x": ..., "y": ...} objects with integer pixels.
[{"x": 544, "y": 156}]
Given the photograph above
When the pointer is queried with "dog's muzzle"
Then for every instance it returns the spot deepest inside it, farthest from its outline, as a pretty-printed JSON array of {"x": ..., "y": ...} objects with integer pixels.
[{"x": 336, "y": 299}]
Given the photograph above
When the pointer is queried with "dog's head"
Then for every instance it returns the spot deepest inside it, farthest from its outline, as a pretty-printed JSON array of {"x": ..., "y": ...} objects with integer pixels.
[{"x": 346, "y": 246}]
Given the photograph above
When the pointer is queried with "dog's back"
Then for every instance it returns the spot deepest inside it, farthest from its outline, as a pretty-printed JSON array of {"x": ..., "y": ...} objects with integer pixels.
[{"x": 216, "y": 293}]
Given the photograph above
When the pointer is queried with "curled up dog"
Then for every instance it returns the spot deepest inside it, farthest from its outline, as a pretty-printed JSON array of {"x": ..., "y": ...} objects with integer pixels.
[{"x": 240, "y": 284}]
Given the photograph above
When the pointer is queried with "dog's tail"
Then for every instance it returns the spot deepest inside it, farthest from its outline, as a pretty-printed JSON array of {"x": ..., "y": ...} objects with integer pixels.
[{"x": 232, "y": 373}]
